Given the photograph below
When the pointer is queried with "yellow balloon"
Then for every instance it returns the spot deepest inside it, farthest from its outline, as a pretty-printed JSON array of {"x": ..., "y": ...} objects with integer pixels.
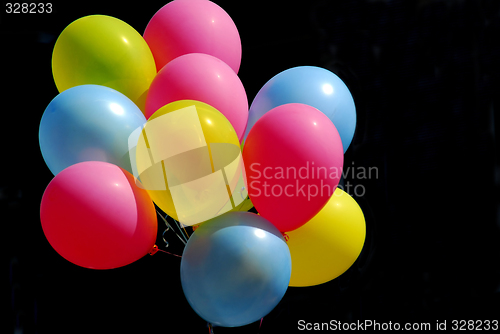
[
  {"x": 247, "y": 203},
  {"x": 327, "y": 245},
  {"x": 103, "y": 50},
  {"x": 244, "y": 206},
  {"x": 189, "y": 160}
]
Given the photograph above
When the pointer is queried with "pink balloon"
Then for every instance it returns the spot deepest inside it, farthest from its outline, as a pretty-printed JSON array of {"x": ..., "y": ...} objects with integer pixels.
[
  {"x": 204, "y": 78},
  {"x": 293, "y": 160},
  {"x": 193, "y": 26},
  {"x": 95, "y": 216}
]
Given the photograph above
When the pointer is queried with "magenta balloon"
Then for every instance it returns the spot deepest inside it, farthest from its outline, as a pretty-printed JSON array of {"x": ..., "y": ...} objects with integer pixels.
[
  {"x": 193, "y": 26},
  {"x": 203, "y": 78},
  {"x": 293, "y": 159},
  {"x": 95, "y": 216}
]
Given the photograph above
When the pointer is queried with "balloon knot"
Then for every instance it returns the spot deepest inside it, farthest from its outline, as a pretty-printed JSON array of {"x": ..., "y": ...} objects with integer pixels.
[
  {"x": 153, "y": 250},
  {"x": 285, "y": 236}
]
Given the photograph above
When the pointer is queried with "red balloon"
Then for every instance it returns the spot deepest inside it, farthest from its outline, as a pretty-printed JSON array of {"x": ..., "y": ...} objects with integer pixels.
[
  {"x": 293, "y": 159},
  {"x": 95, "y": 215}
]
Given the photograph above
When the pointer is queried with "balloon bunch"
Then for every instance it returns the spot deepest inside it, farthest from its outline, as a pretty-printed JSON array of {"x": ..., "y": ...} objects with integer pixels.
[{"x": 163, "y": 119}]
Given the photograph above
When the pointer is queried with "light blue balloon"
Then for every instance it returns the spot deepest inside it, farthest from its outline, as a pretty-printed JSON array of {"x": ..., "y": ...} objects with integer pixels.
[
  {"x": 88, "y": 123},
  {"x": 235, "y": 269},
  {"x": 314, "y": 86}
]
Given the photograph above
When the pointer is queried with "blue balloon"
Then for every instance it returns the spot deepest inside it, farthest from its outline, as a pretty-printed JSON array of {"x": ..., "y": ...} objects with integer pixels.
[
  {"x": 314, "y": 86},
  {"x": 235, "y": 269},
  {"x": 88, "y": 123}
]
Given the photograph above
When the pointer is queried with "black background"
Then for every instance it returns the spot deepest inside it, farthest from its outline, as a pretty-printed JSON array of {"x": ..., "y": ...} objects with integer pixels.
[{"x": 425, "y": 79}]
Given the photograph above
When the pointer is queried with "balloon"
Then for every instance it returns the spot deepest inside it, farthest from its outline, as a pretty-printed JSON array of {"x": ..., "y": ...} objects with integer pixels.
[
  {"x": 235, "y": 269},
  {"x": 246, "y": 205},
  {"x": 85, "y": 123},
  {"x": 293, "y": 158},
  {"x": 189, "y": 160},
  {"x": 103, "y": 50},
  {"x": 193, "y": 26},
  {"x": 327, "y": 245},
  {"x": 202, "y": 78},
  {"x": 314, "y": 86},
  {"x": 95, "y": 216}
]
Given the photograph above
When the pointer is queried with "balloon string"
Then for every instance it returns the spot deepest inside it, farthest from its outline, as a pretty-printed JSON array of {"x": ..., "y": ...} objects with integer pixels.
[
  {"x": 260, "y": 325},
  {"x": 155, "y": 249},
  {"x": 169, "y": 226},
  {"x": 187, "y": 234},
  {"x": 161, "y": 250},
  {"x": 210, "y": 328},
  {"x": 180, "y": 229}
]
